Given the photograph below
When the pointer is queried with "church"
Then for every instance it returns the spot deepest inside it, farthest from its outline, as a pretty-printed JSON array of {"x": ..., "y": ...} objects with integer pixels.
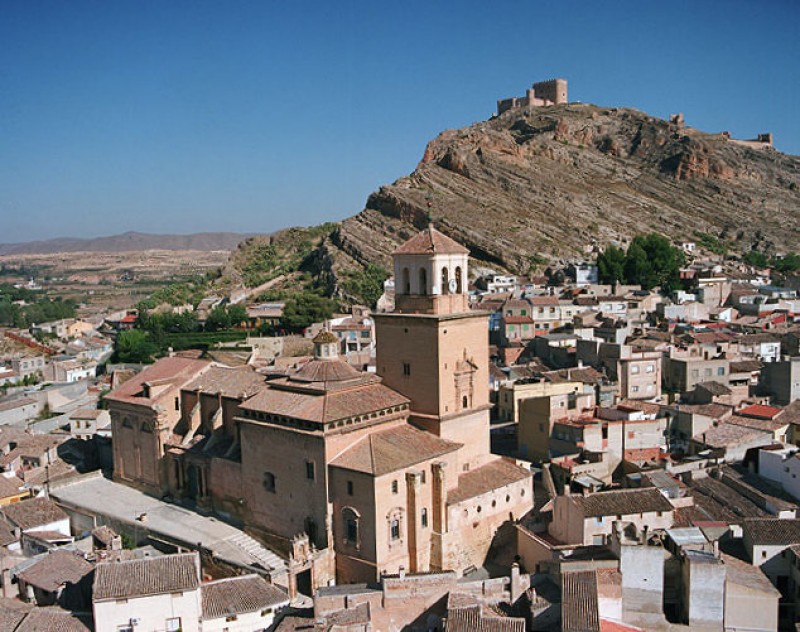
[{"x": 352, "y": 475}]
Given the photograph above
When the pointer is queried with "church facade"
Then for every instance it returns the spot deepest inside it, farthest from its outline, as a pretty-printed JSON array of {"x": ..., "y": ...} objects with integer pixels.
[{"x": 352, "y": 474}]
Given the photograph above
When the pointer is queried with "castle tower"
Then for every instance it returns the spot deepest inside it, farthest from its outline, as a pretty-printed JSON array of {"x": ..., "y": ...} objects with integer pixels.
[{"x": 433, "y": 349}]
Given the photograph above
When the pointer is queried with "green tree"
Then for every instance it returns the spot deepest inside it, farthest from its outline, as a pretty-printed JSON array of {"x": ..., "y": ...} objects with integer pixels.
[
  {"x": 790, "y": 263},
  {"x": 611, "y": 265},
  {"x": 637, "y": 267},
  {"x": 218, "y": 319},
  {"x": 303, "y": 309},
  {"x": 135, "y": 346},
  {"x": 237, "y": 314},
  {"x": 756, "y": 259}
]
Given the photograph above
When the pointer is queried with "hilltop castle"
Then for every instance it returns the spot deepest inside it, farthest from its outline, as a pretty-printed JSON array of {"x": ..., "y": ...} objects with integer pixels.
[{"x": 551, "y": 92}]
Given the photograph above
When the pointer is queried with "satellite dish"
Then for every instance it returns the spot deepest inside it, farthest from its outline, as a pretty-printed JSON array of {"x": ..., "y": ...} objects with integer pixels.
[{"x": 452, "y": 285}]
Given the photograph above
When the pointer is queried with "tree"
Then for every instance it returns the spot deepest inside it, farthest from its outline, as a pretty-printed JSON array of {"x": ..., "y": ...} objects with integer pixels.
[
  {"x": 611, "y": 265},
  {"x": 237, "y": 314},
  {"x": 756, "y": 259},
  {"x": 637, "y": 267},
  {"x": 135, "y": 346},
  {"x": 218, "y": 319},
  {"x": 303, "y": 309}
]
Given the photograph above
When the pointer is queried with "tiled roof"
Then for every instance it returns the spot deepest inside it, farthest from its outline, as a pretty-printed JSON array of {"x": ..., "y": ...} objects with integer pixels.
[
  {"x": 716, "y": 411},
  {"x": 12, "y": 612},
  {"x": 17, "y": 402},
  {"x": 55, "y": 569},
  {"x": 517, "y": 320},
  {"x": 34, "y": 512},
  {"x": 767, "y": 425},
  {"x": 760, "y": 411},
  {"x": 729, "y": 435},
  {"x": 54, "y": 620},
  {"x": 746, "y": 366},
  {"x": 622, "y": 502},
  {"x": 10, "y": 486},
  {"x": 579, "y": 604},
  {"x": 772, "y": 531},
  {"x": 715, "y": 388},
  {"x": 174, "y": 371},
  {"x": 149, "y": 576},
  {"x": 498, "y": 473},
  {"x": 472, "y": 619},
  {"x": 237, "y": 383},
  {"x": 431, "y": 241},
  {"x": 393, "y": 449},
  {"x": 744, "y": 574},
  {"x": 715, "y": 501},
  {"x": 239, "y": 595},
  {"x": 288, "y": 399}
]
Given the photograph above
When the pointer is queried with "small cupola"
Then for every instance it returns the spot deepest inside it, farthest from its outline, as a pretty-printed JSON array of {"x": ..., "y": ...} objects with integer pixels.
[{"x": 326, "y": 346}]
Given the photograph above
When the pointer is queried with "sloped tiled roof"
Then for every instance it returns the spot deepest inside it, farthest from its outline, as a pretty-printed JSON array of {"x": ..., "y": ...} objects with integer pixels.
[
  {"x": 149, "y": 576},
  {"x": 393, "y": 449},
  {"x": 239, "y": 382},
  {"x": 239, "y": 595},
  {"x": 174, "y": 371},
  {"x": 472, "y": 619},
  {"x": 772, "y": 531},
  {"x": 56, "y": 569},
  {"x": 324, "y": 406},
  {"x": 580, "y": 611},
  {"x": 430, "y": 241},
  {"x": 622, "y": 502},
  {"x": 34, "y": 512},
  {"x": 744, "y": 574},
  {"x": 54, "y": 620},
  {"x": 498, "y": 473}
]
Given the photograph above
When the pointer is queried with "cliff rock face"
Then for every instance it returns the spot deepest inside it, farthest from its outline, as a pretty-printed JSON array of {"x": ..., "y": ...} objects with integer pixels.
[{"x": 553, "y": 182}]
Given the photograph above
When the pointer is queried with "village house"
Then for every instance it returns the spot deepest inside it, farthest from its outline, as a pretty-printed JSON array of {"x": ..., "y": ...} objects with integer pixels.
[{"x": 166, "y": 593}]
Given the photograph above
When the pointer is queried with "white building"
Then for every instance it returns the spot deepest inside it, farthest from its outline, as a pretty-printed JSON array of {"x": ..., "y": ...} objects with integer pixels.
[
  {"x": 166, "y": 594},
  {"x": 783, "y": 467}
]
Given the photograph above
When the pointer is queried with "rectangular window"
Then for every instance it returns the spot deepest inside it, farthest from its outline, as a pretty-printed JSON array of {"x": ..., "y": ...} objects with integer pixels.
[
  {"x": 422, "y": 477},
  {"x": 695, "y": 372},
  {"x": 394, "y": 487},
  {"x": 349, "y": 488},
  {"x": 310, "y": 470},
  {"x": 650, "y": 368},
  {"x": 177, "y": 403},
  {"x": 269, "y": 482},
  {"x": 173, "y": 624},
  {"x": 721, "y": 370},
  {"x": 406, "y": 368},
  {"x": 352, "y": 530},
  {"x": 707, "y": 372},
  {"x": 635, "y": 389},
  {"x": 424, "y": 517},
  {"x": 394, "y": 529},
  {"x": 634, "y": 370}
]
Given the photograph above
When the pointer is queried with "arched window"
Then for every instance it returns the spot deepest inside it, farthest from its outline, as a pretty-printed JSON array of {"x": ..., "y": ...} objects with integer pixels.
[
  {"x": 406, "y": 282},
  {"x": 464, "y": 402},
  {"x": 352, "y": 520},
  {"x": 423, "y": 281},
  {"x": 458, "y": 280},
  {"x": 394, "y": 521},
  {"x": 445, "y": 281}
]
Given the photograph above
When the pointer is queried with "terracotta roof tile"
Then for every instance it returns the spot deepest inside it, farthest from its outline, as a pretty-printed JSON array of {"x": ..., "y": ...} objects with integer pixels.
[
  {"x": 55, "y": 569},
  {"x": 54, "y": 620},
  {"x": 393, "y": 449},
  {"x": 237, "y": 383},
  {"x": 174, "y": 371},
  {"x": 34, "y": 512},
  {"x": 239, "y": 595},
  {"x": 579, "y": 602},
  {"x": 772, "y": 531},
  {"x": 431, "y": 241},
  {"x": 622, "y": 502},
  {"x": 472, "y": 619},
  {"x": 149, "y": 576},
  {"x": 486, "y": 478}
]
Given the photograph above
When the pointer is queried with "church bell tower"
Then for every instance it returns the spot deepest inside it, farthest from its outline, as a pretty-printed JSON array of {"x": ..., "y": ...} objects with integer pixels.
[{"x": 435, "y": 350}]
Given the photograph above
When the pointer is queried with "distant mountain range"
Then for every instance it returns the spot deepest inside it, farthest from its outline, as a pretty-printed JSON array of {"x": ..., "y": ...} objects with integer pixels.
[{"x": 127, "y": 242}]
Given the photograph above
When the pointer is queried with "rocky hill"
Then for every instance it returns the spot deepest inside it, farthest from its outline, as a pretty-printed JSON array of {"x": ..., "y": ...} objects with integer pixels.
[
  {"x": 529, "y": 187},
  {"x": 127, "y": 242}
]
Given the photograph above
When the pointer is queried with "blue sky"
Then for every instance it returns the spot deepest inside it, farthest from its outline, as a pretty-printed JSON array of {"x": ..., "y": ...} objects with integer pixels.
[{"x": 178, "y": 116}]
